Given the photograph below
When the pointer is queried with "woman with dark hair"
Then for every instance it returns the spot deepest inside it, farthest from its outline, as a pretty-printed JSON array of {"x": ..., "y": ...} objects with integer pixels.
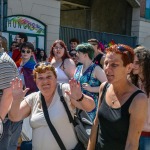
[
  {"x": 13, "y": 46},
  {"x": 140, "y": 76},
  {"x": 59, "y": 58},
  {"x": 123, "y": 107},
  {"x": 42, "y": 56}
]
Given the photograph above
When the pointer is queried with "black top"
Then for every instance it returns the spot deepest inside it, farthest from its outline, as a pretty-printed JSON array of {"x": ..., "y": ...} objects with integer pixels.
[
  {"x": 97, "y": 60},
  {"x": 114, "y": 124}
]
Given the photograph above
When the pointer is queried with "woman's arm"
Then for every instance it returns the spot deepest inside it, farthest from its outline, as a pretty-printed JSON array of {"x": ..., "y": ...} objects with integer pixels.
[
  {"x": 92, "y": 139},
  {"x": 75, "y": 93},
  {"x": 19, "y": 108},
  {"x": 138, "y": 113},
  {"x": 100, "y": 75},
  {"x": 69, "y": 68}
]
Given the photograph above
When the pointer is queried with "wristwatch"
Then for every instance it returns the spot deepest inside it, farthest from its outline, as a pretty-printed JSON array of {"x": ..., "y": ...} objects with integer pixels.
[{"x": 79, "y": 100}]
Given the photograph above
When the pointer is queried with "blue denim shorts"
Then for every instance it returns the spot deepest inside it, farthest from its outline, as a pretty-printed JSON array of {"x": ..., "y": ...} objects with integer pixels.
[{"x": 11, "y": 133}]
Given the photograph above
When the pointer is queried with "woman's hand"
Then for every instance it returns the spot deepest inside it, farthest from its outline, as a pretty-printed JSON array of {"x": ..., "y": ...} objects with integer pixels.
[
  {"x": 17, "y": 89},
  {"x": 86, "y": 86},
  {"x": 75, "y": 92}
]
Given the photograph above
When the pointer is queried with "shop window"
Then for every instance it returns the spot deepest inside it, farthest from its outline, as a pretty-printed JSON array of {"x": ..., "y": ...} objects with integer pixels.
[
  {"x": 147, "y": 10},
  {"x": 3, "y": 14}
]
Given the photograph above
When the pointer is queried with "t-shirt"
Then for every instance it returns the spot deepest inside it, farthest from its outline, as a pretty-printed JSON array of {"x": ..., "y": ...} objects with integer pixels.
[
  {"x": 42, "y": 138},
  {"x": 8, "y": 71}
]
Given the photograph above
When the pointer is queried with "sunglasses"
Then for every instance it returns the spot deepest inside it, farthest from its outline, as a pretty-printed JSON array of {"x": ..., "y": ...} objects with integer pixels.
[
  {"x": 43, "y": 63},
  {"x": 24, "y": 51},
  {"x": 73, "y": 54},
  {"x": 123, "y": 49}
]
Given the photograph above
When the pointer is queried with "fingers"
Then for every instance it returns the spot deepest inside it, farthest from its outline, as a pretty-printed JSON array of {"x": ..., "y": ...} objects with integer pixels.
[
  {"x": 16, "y": 83},
  {"x": 26, "y": 90}
]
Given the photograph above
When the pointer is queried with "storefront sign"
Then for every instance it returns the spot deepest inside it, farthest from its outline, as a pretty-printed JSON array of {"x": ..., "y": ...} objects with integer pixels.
[{"x": 25, "y": 24}]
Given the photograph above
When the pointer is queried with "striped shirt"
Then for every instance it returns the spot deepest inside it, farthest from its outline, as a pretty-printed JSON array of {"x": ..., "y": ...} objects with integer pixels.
[{"x": 8, "y": 71}]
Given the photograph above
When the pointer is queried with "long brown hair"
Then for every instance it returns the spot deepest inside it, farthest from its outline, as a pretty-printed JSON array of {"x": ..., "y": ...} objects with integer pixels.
[
  {"x": 66, "y": 55},
  {"x": 143, "y": 55}
]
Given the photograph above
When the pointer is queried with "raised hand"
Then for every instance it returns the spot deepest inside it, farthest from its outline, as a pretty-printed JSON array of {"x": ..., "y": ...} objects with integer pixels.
[
  {"x": 17, "y": 89},
  {"x": 75, "y": 90}
]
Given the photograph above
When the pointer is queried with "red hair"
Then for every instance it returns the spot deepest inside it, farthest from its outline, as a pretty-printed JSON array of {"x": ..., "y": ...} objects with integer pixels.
[
  {"x": 66, "y": 55},
  {"x": 125, "y": 51}
]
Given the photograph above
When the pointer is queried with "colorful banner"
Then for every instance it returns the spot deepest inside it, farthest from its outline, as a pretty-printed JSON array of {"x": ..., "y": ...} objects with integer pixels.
[{"x": 25, "y": 24}]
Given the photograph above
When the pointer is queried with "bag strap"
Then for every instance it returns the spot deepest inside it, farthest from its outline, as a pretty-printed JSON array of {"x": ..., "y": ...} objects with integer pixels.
[
  {"x": 52, "y": 128},
  {"x": 65, "y": 104}
]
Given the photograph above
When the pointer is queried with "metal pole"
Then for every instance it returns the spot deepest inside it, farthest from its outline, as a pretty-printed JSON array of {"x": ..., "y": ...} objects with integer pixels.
[{"x": 2, "y": 8}]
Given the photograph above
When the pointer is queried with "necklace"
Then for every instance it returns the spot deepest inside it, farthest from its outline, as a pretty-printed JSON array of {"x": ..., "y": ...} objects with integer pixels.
[{"x": 113, "y": 101}]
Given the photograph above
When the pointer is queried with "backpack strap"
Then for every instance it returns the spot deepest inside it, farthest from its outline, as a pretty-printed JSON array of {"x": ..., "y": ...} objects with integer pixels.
[{"x": 65, "y": 104}]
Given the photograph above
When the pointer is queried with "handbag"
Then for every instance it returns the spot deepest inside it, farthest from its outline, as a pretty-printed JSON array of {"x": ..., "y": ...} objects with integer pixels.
[{"x": 81, "y": 121}]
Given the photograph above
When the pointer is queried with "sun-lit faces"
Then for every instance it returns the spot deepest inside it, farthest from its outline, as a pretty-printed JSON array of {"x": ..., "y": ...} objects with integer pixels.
[
  {"x": 113, "y": 67},
  {"x": 58, "y": 50},
  {"x": 136, "y": 66},
  {"x": 26, "y": 53},
  {"x": 46, "y": 80}
]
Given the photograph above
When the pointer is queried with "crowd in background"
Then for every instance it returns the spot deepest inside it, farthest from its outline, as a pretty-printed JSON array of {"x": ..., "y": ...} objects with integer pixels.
[{"x": 123, "y": 114}]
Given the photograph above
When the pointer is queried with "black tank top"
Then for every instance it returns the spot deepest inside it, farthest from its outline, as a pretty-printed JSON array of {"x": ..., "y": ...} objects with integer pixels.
[{"x": 114, "y": 124}]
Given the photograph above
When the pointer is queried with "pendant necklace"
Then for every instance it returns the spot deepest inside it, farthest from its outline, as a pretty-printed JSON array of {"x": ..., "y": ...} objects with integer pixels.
[{"x": 113, "y": 101}]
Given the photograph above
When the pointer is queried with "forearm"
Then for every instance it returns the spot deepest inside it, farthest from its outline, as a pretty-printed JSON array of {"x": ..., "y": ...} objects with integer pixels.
[
  {"x": 15, "y": 113},
  {"x": 94, "y": 89},
  {"x": 87, "y": 103},
  {"x": 92, "y": 139},
  {"x": 131, "y": 147},
  {"x": 5, "y": 102}
]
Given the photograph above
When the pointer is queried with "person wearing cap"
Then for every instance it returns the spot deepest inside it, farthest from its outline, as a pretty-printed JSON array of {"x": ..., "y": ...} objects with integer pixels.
[{"x": 98, "y": 54}]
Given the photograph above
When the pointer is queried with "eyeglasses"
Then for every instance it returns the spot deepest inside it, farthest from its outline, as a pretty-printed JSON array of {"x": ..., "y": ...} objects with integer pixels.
[
  {"x": 25, "y": 51},
  {"x": 42, "y": 63},
  {"x": 58, "y": 48}
]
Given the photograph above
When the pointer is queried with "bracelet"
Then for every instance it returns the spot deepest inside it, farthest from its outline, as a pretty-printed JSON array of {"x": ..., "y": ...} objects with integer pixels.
[{"x": 79, "y": 100}]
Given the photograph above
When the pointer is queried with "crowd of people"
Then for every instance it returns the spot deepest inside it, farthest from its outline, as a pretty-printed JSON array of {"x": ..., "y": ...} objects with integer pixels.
[{"x": 111, "y": 85}]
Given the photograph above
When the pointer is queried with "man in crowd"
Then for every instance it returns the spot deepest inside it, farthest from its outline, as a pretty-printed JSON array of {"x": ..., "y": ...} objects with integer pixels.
[
  {"x": 11, "y": 130},
  {"x": 98, "y": 54},
  {"x": 16, "y": 55}
]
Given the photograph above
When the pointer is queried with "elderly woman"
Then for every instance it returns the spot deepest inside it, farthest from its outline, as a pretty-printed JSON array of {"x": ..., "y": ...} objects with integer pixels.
[
  {"x": 122, "y": 109},
  {"x": 22, "y": 107},
  {"x": 141, "y": 77},
  {"x": 60, "y": 59},
  {"x": 89, "y": 74}
]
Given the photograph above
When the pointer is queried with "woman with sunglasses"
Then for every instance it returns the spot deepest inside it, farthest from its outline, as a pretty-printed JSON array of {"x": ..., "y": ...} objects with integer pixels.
[
  {"x": 46, "y": 80},
  {"x": 140, "y": 77},
  {"x": 122, "y": 110},
  {"x": 60, "y": 59}
]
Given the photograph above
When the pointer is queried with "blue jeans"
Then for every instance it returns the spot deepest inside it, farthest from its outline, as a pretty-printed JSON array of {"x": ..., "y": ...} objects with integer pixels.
[
  {"x": 144, "y": 143},
  {"x": 26, "y": 145},
  {"x": 10, "y": 135}
]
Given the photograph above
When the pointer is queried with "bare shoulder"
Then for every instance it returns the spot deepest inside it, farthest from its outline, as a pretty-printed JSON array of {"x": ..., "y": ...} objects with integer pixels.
[
  {"x": 102, "y": 87},
  {"x": 69, "y": 61},
  {"x": 139, "y": 103}
]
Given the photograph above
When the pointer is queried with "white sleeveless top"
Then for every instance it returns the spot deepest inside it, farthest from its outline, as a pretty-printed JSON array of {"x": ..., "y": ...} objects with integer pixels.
[{"x": 61, "y": 75}]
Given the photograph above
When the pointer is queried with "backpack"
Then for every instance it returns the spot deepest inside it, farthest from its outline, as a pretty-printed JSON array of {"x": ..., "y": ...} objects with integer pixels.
[{"x": 81, "y": 121}]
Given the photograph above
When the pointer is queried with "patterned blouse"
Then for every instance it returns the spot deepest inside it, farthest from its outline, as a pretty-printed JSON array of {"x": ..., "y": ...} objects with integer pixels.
[{"x": 87, "y": 77}]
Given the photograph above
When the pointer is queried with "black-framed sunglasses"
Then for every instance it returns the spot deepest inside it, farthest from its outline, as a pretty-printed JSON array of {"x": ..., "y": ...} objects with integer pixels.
[
  {"x": 73, "y": 54},
  {"x": 122, "y": 49},
  {"x": 25, "y": 51},
  {"x": 43, "y": 63}
]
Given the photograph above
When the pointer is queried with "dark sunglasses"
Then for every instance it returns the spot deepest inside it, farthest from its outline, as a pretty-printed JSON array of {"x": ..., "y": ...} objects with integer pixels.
[
  {"x": 24, "y": 51},
  {"x": 73, "y": 54},
  {"x": 123, "y": 49},
  {"x": 42, "y": 63}
]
